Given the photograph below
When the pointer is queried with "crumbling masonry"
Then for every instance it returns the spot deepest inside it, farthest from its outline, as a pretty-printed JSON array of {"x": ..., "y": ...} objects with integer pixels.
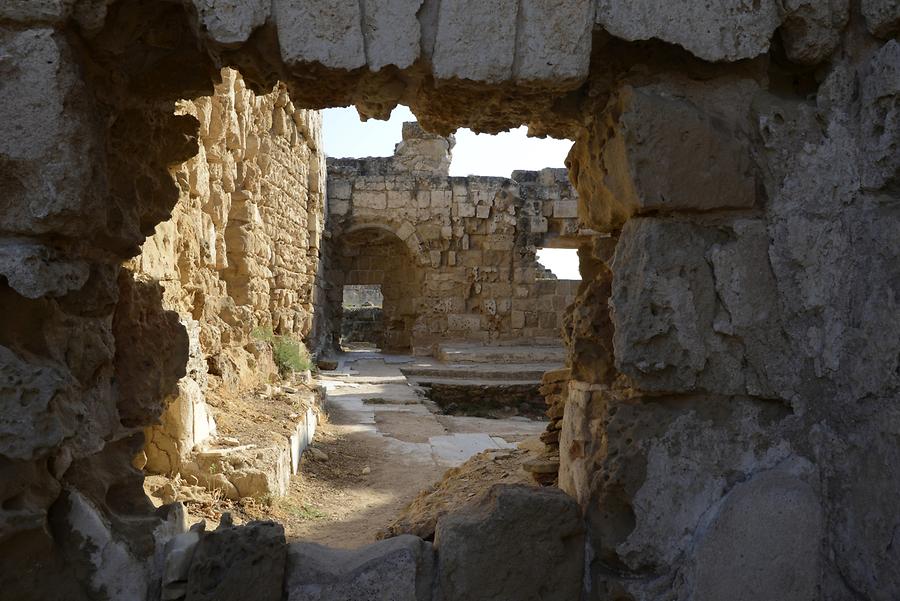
[{"x": 731, "y": 426}]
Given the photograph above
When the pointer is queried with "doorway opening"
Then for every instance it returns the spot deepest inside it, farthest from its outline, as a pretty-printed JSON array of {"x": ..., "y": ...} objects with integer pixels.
[{"x": 362, "y": 318}]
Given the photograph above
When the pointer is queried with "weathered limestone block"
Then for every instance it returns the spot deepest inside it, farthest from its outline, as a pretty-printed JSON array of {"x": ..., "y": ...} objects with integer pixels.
[
  {"x": 719, "y": 30},
  {"x": 238, "y": 563},
  {"x": 231, "y": 21},
  {"x": 691, "y": 308},
  {"x": 39, "y": 412},
  {"x": 47, "y": 147},
  {"x": 553, "y": 42},
  {"x": 476, "y": 41},
  {"x": 36, "y": 11},
  {"x": 400, "y": 569},
  {"x": 517, "y": 542},
  {"x": 656, "y": 151},
  {"x": 34, "y": 270},
  {"x": 649, "y": 472},
  {"x": 422, "y": 153},
  {"x": 323, "y": 31},
  {"x": 391, "y": 32},
  {"x": 812, "y": 28},
  {"x": 778, "y": 517},
  {"x": 881, "y": 118},
  {"x": 882, "y": 16}
]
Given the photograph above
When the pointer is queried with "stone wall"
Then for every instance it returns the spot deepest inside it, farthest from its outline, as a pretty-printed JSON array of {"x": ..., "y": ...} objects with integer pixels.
[
  {"x": 240, "y": 252},
  {"x": 731, "y": 423},
  {"x": 455, "y": 255}
]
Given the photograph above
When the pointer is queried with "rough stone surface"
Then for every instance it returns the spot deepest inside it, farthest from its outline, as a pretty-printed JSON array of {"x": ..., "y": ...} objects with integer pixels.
[
  {"x": 396, "y": 569},
  {"x": 324, "y": 31},
  {"x": 459, "y": 51},
  {"x": 238, "y": 563},
  {"x": 745, "y": 340},
  {"x": 779, "y": 518},
  {"x": 553, "y": 41},
  {"x": 882, "y": 16},
  {"x": 719, "y": 30},
  {"x": 812, "y": 30},
  {"x": 391, "y": 32},
  {"x": 231, "y": 21},
  {"x": 517, "y": 542},
  {"x": 666, "y": 147}
]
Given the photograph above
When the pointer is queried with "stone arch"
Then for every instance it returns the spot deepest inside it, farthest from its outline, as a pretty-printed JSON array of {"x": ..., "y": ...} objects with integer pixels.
[
  {"x": 373, "y": 254},
  {"x": 402, "y": 229}
]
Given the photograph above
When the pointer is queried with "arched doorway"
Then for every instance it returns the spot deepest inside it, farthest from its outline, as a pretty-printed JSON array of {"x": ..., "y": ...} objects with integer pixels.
[{"x": 375, "y": 257}]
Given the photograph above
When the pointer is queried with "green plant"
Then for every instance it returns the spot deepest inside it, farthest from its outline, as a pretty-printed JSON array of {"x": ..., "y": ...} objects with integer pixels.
[{"x": 289, "y": 353}]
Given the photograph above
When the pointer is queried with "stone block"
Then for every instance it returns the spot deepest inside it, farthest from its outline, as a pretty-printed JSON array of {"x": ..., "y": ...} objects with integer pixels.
[
  {"x": 465, "y": 209},
  {"x": 391, "y": 32},
  {"x": 812, "y": 28},
  {"x": 475, "y": 41},
  {"x": 882, "y": 16},
  {"x": 239, "y": 563},
  {"x": 565, "y": 209},
  {"x": 328, "y": 32},
  {"x": 699, "y": 313},
  {"x": 553, "y": 42},
  {"x": 370, "y": 199},
  {"x": 708, "y": 164},
  {"x": 464, "y": 322},
  {"x": 538, "y": 225},
  {"x": 483, "y": 211},
  {"x": 764, "y": 542},
  {"x": 231, "y": 21},
  {"x": 516, "y": 542},
  {"x": 517, "y": 320},
  {"x": 723, "y": 30},
  {"x": 399, "y": 569}
]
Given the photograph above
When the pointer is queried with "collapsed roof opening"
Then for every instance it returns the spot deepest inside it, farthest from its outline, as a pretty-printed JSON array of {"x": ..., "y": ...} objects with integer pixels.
[{"x": 495, "y": 155}]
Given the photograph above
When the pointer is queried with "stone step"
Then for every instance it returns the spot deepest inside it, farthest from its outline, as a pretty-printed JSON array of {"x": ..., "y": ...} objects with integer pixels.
[
  {"x": 453, "y": 353},
  {"x": 511, "y": 371}
]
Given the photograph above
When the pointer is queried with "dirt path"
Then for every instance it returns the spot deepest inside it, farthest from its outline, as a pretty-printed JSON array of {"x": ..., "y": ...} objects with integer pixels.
[{"x": 383, "y": 447}]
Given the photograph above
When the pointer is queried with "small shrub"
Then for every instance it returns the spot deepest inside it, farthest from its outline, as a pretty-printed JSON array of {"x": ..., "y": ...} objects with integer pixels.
[{"x": 289, "y": 353}]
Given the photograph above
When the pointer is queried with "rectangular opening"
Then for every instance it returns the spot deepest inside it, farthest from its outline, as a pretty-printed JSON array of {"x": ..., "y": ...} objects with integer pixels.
[
  {"x": 562, "y": 263},
  {"x": 362, "y": 318}
]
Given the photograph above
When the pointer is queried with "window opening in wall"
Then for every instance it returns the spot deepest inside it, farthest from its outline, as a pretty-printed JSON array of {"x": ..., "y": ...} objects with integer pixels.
[
  {"x": 362, "y": 318},
  {"x": 561, "y": 263}
]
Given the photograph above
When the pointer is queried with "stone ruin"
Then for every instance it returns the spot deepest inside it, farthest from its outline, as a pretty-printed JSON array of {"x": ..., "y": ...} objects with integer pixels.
[
  {"x": 454, "y": 256},
  {"x": 730, "y": 424}
]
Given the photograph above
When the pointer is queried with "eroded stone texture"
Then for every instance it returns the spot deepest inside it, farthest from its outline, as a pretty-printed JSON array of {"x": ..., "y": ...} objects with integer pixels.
[
  {"x": 715, "y": 31},
  {"x": 325, "y": 31},
  {"x": 670, "y": 146},
  {"x": 400, "y": 568},
  {"x": 517, "y": 542},
  {"x": 231, "y": 21},
  {"x": 811, "y": 30},
  {"x": 234, "y": 563},
  {"x": 882, "y": 16}
]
